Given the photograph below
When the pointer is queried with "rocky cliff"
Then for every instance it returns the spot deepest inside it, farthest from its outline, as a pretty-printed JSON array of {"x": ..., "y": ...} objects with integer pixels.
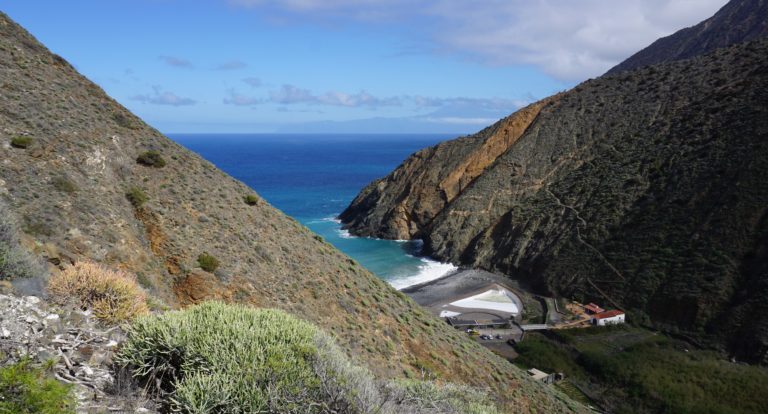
[
  {"x": 644, "y": 189},
  {"x": 89, "y": 180},
  {"x": 737, "y": 22}
]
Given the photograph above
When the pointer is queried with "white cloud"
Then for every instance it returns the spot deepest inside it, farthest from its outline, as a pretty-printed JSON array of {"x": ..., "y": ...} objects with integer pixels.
[
  {"x": 568, "y": 39},
  {"x": 290, "y": 94},
  {"x": 361, "y": 98},
  {"x": 449, "y": 107},
  {"x": 160, "y": 97},
  {"x": 239, "y": 99},
  {"x": 459, "y": 120}
]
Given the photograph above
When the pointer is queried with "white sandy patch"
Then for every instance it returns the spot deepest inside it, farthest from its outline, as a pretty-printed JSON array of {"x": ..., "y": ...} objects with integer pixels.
[
  {"x": 494, "y": 299},
  {"x": 448, "y": 314}
]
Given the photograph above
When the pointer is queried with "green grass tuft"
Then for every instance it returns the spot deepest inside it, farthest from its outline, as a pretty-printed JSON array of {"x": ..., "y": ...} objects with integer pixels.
[
  {"x": 208, "y": 262},
  {"x": 136, "y": 196},
  {"x": 64, "y": 185},
  {"x": 26, "y": 389},
  {"x": 151, "y": 159},
  {"x": 251, "y": 200},
  {"x": 21, "y": 142}
]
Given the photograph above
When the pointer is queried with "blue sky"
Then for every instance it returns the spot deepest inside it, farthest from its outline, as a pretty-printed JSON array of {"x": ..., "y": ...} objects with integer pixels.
[{"x": 344, "y": 65}]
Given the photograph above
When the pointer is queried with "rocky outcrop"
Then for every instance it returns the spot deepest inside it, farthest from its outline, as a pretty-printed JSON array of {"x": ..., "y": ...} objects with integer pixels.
[
  {"x": 737, "y": 22},
  {"x": 68, "y": 160},
  {"x": 644, "y": 189},
  {"x": 402, "y": 204},
  {"x": 80, "y": 349}
]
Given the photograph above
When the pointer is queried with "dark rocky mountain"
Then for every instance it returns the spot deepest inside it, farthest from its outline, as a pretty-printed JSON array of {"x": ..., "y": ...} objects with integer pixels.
[
  {"x": 738, "y": 21},
  {"x": 646, "y": 190},
  {"x": 76, "y": 171}
]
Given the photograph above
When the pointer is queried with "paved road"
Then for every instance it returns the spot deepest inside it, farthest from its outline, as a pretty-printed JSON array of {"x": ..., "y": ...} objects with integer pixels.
[
  {"x": 535, "y": 327},
  {"x": 553, "y": 317}
]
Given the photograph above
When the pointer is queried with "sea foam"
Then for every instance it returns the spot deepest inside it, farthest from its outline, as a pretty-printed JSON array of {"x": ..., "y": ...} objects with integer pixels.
[{"x": 428, "y": 270}]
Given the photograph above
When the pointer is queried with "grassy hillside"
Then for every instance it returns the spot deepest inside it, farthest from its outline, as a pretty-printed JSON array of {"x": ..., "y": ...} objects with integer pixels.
[
  {"x": 633, "y": 370},
  {"x": 89, "y": 180}
]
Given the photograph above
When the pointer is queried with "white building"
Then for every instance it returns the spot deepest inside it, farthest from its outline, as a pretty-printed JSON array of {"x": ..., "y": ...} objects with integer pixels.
[
  {"x": 611, "y": 317},
  {"x": 541, "y": 376}
]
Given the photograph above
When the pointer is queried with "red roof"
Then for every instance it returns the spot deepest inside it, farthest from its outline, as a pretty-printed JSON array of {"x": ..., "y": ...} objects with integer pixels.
[
  {"x": 608, "y": 314},
  {"x": 593, "y": 308}
]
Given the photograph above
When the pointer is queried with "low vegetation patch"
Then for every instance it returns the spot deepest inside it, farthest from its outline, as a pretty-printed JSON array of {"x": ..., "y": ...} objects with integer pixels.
[
  {"x": 15, "y": 261},
  {"x": 26, "y": 389},
  {"x": 251, "y": 200},
  {"x": 136, "y": 196},
  {"x": 427, "y": 396},
  {"x": 113, "y": 295},
  {"x": 218, "y": 358},
  {"x": 207, "y": 262},
  {"x": 124, "y": 120},
  {"x": 231, "y": 359},
  {"x": 635, "y": 370},
  {"x": 151, "y": 159},
  {"x": 21, "y": 142},
  {"x": 64, "y": 185},
  {"x": 536, "y": 351}
]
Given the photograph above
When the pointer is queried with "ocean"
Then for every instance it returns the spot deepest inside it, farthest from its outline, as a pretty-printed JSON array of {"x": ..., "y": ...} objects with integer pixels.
[{"x": 313, "y": 178}]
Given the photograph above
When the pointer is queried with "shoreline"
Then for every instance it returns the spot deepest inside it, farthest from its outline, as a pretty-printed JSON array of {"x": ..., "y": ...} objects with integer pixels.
[{"x": 460, "y": 283}]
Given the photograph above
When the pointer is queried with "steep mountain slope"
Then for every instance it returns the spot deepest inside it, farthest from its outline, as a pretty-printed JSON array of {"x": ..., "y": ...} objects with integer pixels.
[
  {"x": 738, "y": 21},
  {"x": 68, "y": 157},
  {"x": 645, "y": 189},
  {"x": 399, "y": 206}
]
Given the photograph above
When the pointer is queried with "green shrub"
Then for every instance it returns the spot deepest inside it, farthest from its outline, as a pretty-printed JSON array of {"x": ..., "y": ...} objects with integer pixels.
[
  {"x": 151, "y": 159},
  {"x": 251, "y": 200},
  {"x": 136, "y": 196},
  {"x": 21, "y": 142},
  {"x": 208, "y": 262},
  {"x": 218, "y": 358},
  {"x": 124, "y": 120},
  {"x": 25, "y": 389},
  {"x": 232, "y": 359},
  {"x": 65, "y": 185}
]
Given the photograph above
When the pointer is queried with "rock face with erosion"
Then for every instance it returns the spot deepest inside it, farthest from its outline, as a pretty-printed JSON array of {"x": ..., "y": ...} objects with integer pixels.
[
  {"x": 645, "y": 190},
  {"x": 401, "y": 205},
  {"x": 89, "y": 180}
]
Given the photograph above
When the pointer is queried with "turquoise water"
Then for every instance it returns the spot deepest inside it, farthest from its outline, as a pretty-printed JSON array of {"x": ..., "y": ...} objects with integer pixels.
[{"x": 314, "y": 177}]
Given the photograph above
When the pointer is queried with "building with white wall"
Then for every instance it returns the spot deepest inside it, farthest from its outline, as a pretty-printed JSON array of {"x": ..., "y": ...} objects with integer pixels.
[{"x": 611, "y": 317}]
